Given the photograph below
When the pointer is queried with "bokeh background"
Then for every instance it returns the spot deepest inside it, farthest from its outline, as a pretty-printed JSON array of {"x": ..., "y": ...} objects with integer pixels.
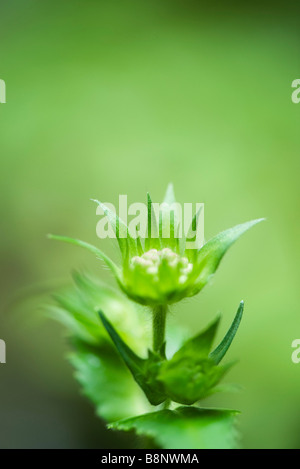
[{"x": 121, "y": 97}]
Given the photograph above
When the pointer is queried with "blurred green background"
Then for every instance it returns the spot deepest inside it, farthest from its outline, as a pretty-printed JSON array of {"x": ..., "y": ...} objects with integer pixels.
[{"x": 121, "y": 97}]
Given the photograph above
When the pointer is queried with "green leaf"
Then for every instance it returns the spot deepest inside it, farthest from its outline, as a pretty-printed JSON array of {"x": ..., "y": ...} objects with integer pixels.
[
  {"x": 218, "y": 354},
  {"x": 78, "y": 308},
  {"x": 107, "y": 382},
  {"x": 143, "y": 371},
  {"x": 93, "y": 295},
  {"x": 211, "y": 254},
  {"x": 99, "y": 368},
  {"x": 113, "y": 267},
  {"x": 186, "y": 428},
  {"x": 73, "y": 314},
  {"x": 125, "y": 240}
]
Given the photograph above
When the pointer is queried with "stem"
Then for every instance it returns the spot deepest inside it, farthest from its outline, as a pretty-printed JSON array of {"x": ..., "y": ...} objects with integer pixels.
[
  {"x": 159, "y": 326},
  {"x": 166, "y": 404}
]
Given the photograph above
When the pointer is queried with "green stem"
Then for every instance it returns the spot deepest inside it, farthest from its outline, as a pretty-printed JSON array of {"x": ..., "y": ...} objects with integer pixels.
[
  {"x": 166, "y": 404},
  {"x": 159, "y": 326}
]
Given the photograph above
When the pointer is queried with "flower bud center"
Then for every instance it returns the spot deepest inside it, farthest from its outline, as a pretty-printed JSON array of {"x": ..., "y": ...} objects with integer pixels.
[{"x": 151, "y": 262}]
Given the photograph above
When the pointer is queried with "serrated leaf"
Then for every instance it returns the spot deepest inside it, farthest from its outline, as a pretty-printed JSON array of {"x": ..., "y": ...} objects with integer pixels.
[
  {"x": 186, "y": 428},
  {"x": 99, "y": 369},
  {"x": 143, "y": 371},
  {"x": 106, "y": 382},
  {"x": 211, "y": 254},
  {"x": 104, "y": 377},
  {"x": 218, "y": 354}
]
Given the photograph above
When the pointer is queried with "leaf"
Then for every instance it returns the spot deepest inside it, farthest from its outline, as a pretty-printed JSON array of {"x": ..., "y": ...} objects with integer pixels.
[
  {"x": 104, "y": 377},
  {"x": 99, "y": 368},
  {"x": 78, "y": 310},
  {"x": 100, "y": 372},
  {"x": 113, "y": 267},
  {"x": 125, "y": 240},
  {"x": 143, "y": 371},
  {"x": 218, "y": 354},
  {"x": 211, "y": 254},
  {"x": 186, "y": 428},
  {"x": 72, "y": 314},
  {"x": 93, "y": 295}
]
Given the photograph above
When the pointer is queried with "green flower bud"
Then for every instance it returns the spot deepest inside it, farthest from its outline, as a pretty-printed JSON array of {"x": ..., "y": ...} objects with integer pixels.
[
  {"x": 159, "y": 271},
  {"x": 157, "y": 276}
]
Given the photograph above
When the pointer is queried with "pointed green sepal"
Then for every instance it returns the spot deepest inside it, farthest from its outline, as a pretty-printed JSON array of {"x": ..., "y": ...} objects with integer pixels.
[
  {"x": 218, "y": 354},
  {"x": 211, "y": 254},
  {"x": 143, "y": 371}
]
